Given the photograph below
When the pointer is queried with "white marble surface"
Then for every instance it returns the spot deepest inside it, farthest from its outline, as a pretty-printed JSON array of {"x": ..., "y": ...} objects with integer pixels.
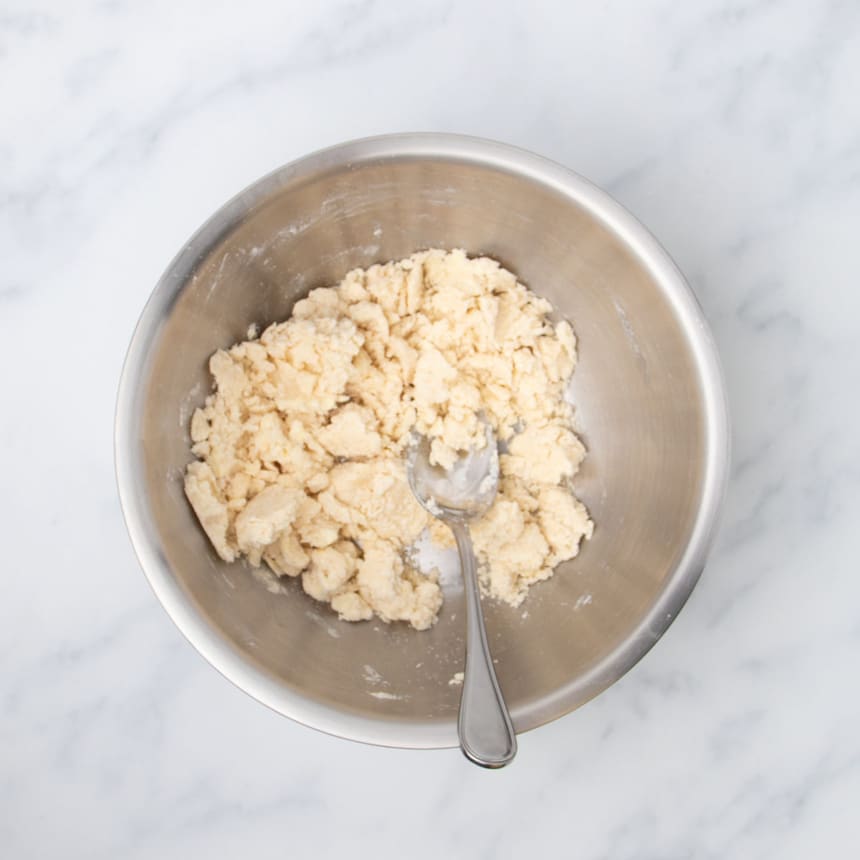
[{"x": 730, "y": 127}]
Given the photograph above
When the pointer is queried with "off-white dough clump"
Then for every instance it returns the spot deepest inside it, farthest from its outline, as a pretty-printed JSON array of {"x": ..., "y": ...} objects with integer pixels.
[{"x": 301, "y": 444}]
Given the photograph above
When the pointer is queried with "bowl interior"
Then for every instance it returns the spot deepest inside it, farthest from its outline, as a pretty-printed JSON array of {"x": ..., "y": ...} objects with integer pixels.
[{"x": 642, "y": 410}]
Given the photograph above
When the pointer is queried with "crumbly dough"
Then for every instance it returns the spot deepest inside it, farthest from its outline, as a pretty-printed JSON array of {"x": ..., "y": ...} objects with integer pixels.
[{"x": 301, "y": 444}]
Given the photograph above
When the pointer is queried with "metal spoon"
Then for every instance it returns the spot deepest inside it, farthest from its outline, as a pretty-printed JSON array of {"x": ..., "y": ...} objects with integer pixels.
[{"x": 456, "y": 496}]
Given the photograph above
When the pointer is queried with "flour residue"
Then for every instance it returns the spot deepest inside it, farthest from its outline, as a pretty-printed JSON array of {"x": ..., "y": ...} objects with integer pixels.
[
  {"x": 381, "y": 694},
  {"x": 583, "y": 600}
]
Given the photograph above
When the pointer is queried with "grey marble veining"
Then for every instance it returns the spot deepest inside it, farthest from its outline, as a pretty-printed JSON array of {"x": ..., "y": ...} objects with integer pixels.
[{"x": 730, "y": 127}]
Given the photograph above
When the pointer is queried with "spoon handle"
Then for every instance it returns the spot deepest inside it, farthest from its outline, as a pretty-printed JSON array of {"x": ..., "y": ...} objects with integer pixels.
[{"x": 486, "y": 733}]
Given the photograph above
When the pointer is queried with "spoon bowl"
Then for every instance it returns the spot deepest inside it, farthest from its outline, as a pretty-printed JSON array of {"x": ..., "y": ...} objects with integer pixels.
[{"x": 466, "y": 490}]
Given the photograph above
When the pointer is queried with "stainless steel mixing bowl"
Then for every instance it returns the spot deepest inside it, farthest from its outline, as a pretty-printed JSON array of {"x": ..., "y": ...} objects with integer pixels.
[{"x": 650, "y": 406}]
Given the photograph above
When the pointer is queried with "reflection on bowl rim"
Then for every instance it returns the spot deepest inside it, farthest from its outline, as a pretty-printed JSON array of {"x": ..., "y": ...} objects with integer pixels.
[{"x": 268, "y": 689}]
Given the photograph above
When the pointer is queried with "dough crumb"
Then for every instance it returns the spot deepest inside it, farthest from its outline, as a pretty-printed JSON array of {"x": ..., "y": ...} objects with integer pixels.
[{"x": 300, "y": 446}]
